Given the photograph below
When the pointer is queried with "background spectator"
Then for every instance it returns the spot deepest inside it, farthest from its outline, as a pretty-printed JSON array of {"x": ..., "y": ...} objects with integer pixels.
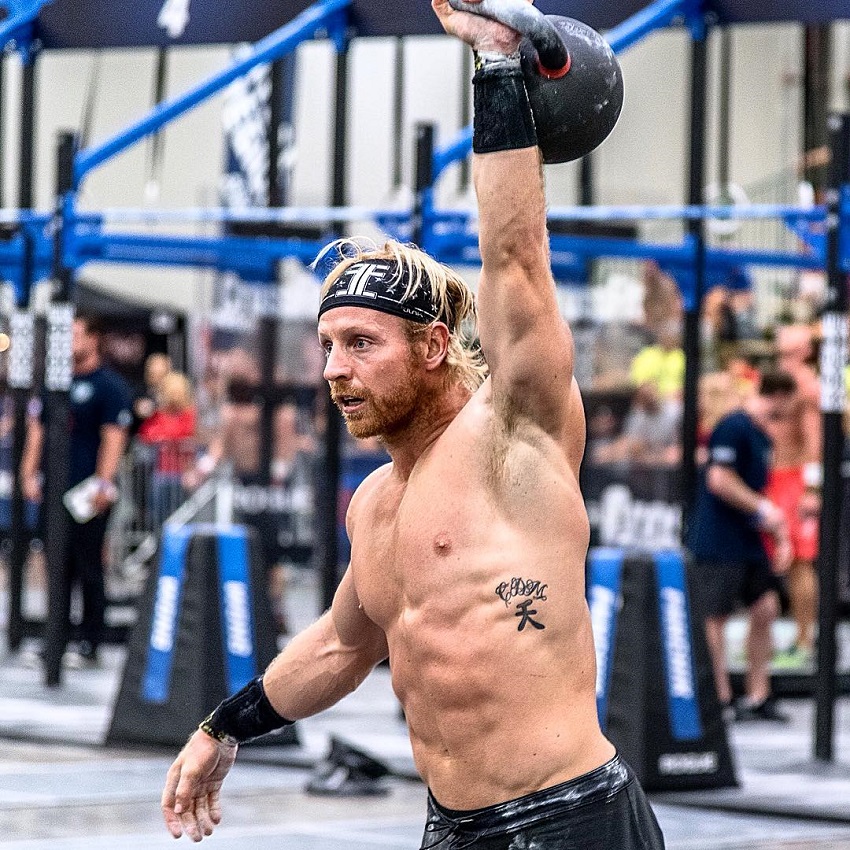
[
  {"x": 651, "y": 432},
  {"x": 730, "y": 514},
  {"x": 100, "y": 419},
  {"x": 170, "y": 430}
]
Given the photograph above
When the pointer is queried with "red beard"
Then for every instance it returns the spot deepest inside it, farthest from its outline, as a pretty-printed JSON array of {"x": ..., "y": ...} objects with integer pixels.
[{"x": 379, "y": 416}]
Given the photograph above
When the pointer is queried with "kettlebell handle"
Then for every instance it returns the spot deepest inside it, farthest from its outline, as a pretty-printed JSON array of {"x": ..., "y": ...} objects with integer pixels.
[{"x": 553, "y": 56}]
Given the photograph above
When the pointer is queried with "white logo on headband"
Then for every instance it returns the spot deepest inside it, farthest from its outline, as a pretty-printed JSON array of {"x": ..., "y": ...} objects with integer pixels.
[{"x": 358, "y": 281}]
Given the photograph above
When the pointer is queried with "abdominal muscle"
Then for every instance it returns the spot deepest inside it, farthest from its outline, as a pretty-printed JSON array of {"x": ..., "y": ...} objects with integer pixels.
[{"x": 501, "y": 719}]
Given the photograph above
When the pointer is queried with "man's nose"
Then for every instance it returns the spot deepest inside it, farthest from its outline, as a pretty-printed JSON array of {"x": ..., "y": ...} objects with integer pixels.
[{"x": 336, "y": 366}]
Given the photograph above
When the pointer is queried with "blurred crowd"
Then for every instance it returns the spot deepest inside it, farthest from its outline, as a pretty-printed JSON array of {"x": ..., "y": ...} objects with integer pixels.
[{"x": 759, "y": 386}]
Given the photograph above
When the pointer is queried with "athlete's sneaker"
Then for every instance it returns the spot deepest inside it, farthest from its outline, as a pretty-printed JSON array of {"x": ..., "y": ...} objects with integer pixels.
[
  {"x": 81, "y": 657},
  {"x": 794, "y": 658},
  {"x": 746, "y": 711}
]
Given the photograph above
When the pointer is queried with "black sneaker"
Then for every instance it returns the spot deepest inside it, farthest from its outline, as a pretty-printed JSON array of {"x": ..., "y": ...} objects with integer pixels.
[
  {"x": 746, "y": 711},
  {"x": 82, "y": 657}
]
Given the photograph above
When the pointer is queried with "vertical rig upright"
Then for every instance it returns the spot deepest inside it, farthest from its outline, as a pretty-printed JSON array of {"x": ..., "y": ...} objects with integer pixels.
[
  {"x": 833, "y": 357},
  {"x": 57, "y": 384}
]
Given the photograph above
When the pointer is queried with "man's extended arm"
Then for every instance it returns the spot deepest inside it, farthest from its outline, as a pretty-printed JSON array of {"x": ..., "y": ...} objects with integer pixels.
[
  {"x": 527, "y": 345},
  {"x": 318, "y": 668}
]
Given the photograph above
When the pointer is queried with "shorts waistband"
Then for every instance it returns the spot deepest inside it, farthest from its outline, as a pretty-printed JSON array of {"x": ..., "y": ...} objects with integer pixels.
[{"x": 601, "y": 782}]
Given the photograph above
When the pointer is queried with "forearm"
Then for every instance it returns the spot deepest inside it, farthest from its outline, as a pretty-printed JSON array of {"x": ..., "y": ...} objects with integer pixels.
[
  {"x": 730, "y": 488},
  {"x": 316, "y": 670},
  {"x": 113, "y": 441},
  {"x": 511, "y": 208},
  {"x": 33, "y": 443}
]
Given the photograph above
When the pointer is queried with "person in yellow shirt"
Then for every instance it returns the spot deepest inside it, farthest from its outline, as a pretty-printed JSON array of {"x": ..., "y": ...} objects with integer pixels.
[{"x": 662, "y": 364}]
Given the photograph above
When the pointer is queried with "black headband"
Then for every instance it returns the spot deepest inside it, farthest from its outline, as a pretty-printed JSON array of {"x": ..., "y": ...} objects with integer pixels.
[{"x": 381, "y": 285}]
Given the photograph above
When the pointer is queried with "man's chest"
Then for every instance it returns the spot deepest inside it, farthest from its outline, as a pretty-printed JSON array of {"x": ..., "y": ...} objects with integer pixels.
[
  {"x": 85, "y": 404},
  {"x": 421, "y": 547}
]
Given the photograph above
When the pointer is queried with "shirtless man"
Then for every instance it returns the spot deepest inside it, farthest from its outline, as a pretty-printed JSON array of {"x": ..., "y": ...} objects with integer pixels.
[
  {"x": 794, "y": 483},
  {"x": 468, "y": 549},
  {"x": 237, "y": 440}
]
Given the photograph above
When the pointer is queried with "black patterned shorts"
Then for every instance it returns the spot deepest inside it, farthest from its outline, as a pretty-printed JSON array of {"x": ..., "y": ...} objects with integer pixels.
[{"x": 605, "y": 809}]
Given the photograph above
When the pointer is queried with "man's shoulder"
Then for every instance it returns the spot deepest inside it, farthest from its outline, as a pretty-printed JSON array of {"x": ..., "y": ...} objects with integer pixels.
[
  {"x": 734, "y": 421},
  {"x": 107, "y": 377},
  {"x": 370, "y": 488}
]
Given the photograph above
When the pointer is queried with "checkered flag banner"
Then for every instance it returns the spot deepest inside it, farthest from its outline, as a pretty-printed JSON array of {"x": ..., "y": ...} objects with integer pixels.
[
  {"x": 21, "y": 350},
  {"x": 58, "y": 371}
]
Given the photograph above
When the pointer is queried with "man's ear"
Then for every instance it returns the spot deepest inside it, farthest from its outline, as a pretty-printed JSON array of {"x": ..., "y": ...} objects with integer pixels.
[{"x": 437, "y": 340}]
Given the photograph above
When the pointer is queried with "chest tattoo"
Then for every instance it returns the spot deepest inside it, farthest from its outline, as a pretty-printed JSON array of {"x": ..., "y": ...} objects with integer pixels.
[{"x": 528, "y": 591}]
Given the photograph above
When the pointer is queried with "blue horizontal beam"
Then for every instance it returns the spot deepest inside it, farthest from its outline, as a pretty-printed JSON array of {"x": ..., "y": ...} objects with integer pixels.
[
  {"x": 329, "y": 215},
  {"x": 247, "y": 254},
  {"x": 26, "y": 18},
  {"x": 305, "y": 26},
  {"x": 656, "y": 16}
]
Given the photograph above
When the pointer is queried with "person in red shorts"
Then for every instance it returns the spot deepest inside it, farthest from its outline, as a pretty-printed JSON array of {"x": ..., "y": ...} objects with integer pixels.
[{"x": 792, "y": 485}]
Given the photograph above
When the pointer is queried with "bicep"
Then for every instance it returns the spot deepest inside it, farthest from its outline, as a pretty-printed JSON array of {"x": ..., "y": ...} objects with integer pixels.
[
  {"x": 527, "y": 345},
  {"x": 353, "y": 627}
]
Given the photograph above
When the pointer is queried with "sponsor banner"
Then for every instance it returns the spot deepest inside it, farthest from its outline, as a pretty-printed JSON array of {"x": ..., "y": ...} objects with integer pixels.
[
  {"x": 156, "y": 682},
  {"x": 675, "y": 626},
  {"x": 605, "y": 568},
  {"x": 636, "y": 508},
  {"x": 237, "y": 627},
  {"x": 152, "y": 23},
  {"x": 688, "y": 764}
]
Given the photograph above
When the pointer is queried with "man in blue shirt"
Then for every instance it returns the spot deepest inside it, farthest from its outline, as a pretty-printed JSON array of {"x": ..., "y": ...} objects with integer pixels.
[
  {"x": 730, "y": 516},
  {"x": 100, "y": 418}
]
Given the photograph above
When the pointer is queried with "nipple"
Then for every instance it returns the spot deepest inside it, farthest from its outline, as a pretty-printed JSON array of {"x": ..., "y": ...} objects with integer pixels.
[{"x": 442, "y": 544}]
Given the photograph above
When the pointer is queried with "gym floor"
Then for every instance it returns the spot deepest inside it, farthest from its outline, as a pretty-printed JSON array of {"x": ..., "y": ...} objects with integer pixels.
[{"x": 60, "y": 788}]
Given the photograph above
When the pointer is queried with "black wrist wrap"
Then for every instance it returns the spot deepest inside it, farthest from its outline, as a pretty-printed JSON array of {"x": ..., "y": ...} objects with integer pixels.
[
  {"x": 246, "y": 715},
  {"x": 503, "y": 119}
]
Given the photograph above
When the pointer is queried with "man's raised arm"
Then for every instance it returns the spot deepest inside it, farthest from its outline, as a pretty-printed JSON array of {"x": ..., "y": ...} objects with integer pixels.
[{"x": 527, "y": 345}]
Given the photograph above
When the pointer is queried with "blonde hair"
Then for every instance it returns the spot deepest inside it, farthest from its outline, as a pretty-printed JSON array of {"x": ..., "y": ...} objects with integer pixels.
[
  {"x": 175, "y": 391},
  {"x": 450, "y": 296}
]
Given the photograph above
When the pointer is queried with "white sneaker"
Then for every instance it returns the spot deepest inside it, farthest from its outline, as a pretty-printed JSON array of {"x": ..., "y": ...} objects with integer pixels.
[
  {"x": 72, "y": 660},
  {"x": 31, "y": 659}
]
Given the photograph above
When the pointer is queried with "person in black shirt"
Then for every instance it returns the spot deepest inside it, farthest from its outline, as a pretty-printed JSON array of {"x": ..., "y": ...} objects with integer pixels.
[
  {"x": 731, "y": 516},
  {"x": 100, "y": 419}
]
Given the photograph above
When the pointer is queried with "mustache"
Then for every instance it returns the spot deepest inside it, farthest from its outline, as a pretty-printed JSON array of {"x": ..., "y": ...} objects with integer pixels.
[{"x": 341, "y": 389}]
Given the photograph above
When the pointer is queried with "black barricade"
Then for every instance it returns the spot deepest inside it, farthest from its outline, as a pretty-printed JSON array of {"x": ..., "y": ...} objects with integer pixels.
[
  {"x": 640, "y": 507},
  {"x": 205, "y": 629},
  {"x": 655, "y": 688}
]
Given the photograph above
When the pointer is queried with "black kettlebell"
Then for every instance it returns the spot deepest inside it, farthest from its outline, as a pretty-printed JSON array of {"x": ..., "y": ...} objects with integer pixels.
[{"x": 573, "y": 79}]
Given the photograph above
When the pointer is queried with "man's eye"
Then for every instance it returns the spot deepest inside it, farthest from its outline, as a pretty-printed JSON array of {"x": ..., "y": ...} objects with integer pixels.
[{"x": 361, "y": 343}]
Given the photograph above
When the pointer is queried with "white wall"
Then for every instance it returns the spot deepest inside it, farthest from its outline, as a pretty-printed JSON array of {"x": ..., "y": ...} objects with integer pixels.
[{"x": 643, "y": 162}]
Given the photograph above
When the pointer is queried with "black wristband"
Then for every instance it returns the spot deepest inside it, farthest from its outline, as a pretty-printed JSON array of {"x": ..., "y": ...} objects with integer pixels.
[
  {"x": 503, "y": 119},
  {"x": 244, "y": 716}
]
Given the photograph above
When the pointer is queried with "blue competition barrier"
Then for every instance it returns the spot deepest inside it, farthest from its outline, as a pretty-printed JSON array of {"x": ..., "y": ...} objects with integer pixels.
[
  {"x": 655, "y": 688},
  {"x": 205, "y": 629}
]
